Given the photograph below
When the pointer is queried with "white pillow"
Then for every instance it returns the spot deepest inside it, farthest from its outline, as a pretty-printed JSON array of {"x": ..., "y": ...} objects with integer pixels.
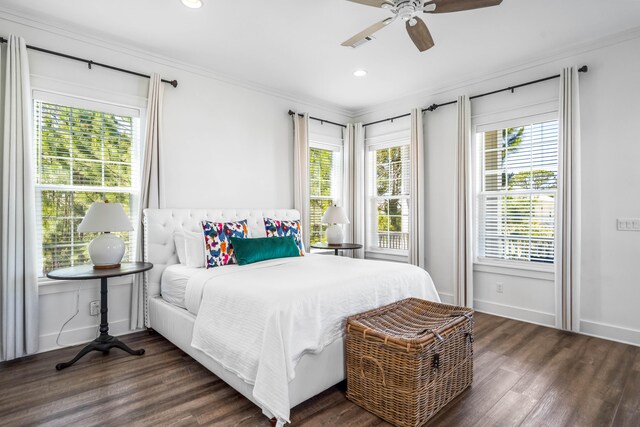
[
  {"x": 194, "y": 249},
  {"x": 178, "y": 239}
]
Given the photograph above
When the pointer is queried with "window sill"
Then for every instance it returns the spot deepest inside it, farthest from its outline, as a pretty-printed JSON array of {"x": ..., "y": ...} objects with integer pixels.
[
  {"x": 392, "y": 252},
  {"x": 542, "y": 272}
]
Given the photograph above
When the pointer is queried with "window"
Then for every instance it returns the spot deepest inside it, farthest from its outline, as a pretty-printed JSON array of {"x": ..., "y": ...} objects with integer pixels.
[
  {"x": 83, "y": 155},
  {"x": 389, "y": 195},
  {"x": 517, "y": 194},
  {"x": 325, "y": 180}
]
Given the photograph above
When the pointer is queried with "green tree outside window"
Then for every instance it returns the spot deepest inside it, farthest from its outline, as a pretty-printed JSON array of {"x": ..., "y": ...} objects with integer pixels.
[{"x": 82, "y": 156}]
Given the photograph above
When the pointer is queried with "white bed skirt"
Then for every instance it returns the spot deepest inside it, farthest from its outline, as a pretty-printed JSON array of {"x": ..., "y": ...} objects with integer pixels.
[{"x": 314, "y": 373}]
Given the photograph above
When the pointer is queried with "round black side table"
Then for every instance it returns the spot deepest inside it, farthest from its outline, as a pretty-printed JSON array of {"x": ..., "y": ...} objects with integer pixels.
[
  {"x": 86, "y": 272},
  {"x": 338, "y": 247}
]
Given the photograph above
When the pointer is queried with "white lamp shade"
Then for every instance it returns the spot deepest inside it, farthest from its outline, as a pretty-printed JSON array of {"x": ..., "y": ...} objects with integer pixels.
[
  {"x": 335, "y": 215},
  {"x": 105, "y": 217}
]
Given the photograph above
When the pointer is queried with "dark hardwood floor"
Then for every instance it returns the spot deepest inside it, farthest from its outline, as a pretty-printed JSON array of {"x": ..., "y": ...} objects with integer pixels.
[{"x": 524, "y": 375}]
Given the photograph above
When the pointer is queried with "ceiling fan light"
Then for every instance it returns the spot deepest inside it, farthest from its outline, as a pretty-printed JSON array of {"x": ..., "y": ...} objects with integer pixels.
[{"x": 193, "y": 4}]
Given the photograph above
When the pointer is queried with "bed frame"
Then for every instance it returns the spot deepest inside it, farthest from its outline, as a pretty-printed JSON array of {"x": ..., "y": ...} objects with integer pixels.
[{"x": 314, "y": 373}]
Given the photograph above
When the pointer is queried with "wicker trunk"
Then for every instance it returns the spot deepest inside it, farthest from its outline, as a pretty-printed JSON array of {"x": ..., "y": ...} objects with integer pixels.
[{"x": 407, "y": 360}]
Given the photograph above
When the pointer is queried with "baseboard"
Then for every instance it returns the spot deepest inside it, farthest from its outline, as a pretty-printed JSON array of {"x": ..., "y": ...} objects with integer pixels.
[
  {"x": 516, "y": 313},
  {"x": 446, "y": 298},
  {"x": 82, "y": 335},
  {"x": 610, "y": 332}
]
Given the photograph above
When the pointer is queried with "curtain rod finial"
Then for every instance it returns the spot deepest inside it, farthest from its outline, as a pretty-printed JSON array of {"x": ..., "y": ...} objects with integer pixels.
[
  {"x": 583, "y": 69},
  {"x": 291, "y": 113},
  {"x": 174, "y": 83}
]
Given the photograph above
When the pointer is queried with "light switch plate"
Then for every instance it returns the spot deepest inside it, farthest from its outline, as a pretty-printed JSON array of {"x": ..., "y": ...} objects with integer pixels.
[{"x": 628, "y": 224}]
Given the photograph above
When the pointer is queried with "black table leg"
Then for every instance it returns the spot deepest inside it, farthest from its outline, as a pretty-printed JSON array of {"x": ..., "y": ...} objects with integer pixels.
[
  {"x": 104, "y": 308},
  {"x": 335, "y": 252},
  {"x": 105, "y": 341}
]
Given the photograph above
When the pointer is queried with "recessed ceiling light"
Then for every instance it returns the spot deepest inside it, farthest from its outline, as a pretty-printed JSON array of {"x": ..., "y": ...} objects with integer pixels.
[
  {"x": 193, "y": 4},
  {"x": 360, "y": 73}
]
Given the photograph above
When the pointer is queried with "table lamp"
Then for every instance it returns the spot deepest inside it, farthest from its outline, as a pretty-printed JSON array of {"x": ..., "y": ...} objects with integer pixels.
[
  {"x": 334, "y": 216},
  {"x": 106, "y": 250}
]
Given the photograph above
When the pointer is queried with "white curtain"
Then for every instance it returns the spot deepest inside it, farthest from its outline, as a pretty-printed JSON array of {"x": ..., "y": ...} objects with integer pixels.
[
  {"x": 301, "y": 172},
  {"x": 568, "y": 212},
  {"x": 18, "y": 268},
  {"x": 354, "y": 184},
  {"x": 416, "y": 212},
  {"x": 464, "y": 233},
  {"x": 151, "y": 193}
]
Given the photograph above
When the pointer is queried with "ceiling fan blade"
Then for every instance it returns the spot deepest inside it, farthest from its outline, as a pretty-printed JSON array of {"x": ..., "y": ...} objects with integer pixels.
[
  {"x": 374, "y": 3},
  {"x": 420, "y": 35},
  {"x": 367, "y": 32},
  {"x": 445, "y": 6}
]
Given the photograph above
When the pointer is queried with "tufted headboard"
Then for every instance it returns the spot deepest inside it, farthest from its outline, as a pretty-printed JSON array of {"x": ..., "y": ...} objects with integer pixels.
[{"x": 160, "y": 224}]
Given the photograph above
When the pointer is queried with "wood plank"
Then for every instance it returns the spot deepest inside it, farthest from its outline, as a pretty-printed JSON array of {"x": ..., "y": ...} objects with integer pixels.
[
  {"x": 511, "y": 410},
  {"x": 575, "y": 396},
  {"x": 628, "y": 410},
  {"x": 478, "y": 399},
  {"x": 523, "y": 374},
  {"x": 636, "y": 363}
]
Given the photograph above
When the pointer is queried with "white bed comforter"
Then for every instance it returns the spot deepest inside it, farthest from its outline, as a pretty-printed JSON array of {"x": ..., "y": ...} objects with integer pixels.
[{"x": 259, "y": 320}]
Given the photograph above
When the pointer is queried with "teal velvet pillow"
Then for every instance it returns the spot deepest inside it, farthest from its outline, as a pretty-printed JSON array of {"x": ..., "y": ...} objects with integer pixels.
[{"x": 249, "y": 251}]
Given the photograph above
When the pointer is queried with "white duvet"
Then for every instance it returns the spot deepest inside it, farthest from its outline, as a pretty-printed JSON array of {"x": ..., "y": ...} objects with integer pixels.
[{"x": 259, "y": 320}]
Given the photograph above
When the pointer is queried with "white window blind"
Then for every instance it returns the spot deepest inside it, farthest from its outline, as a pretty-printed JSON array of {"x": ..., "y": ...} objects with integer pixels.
[
  {"x": 82, "y": 156},
  {"x": 389, "y": 197},
  {"x": 325, "y": 180},
  {"x": 517, "y": 197}
]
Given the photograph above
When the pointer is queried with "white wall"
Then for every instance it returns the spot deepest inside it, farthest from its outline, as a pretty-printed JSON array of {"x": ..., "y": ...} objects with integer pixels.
[
  {"x": 225, "y": 145},
  {"x": 610, "y": 289}
]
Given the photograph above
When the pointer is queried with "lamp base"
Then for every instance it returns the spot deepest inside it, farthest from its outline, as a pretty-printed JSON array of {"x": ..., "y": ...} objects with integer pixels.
[
  {"x": 105, "y": 267},
  {"x": 106, "y": 251},
  {"x": 335, "y": 235}
]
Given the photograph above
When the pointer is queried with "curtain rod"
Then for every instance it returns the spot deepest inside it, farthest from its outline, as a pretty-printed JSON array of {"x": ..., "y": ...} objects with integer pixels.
[
  {"x": 434, "y": 107},
  {"x": 91, "y": 63},
  {"x": 323, "y": 121}
]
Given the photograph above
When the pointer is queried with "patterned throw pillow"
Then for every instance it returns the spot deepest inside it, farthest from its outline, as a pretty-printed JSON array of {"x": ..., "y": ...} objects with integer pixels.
[
  {"x": 218, "y": 247},
  {"x": 278, "y": 228}
]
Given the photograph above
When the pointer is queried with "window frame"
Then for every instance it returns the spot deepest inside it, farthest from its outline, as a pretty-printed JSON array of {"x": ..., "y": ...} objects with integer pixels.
[
  {"x": 389, "y": 140},
  {"x": 337, "y": 146},
  {"x": 137, "y": 114},
  {"x": 528, "y": 116}
]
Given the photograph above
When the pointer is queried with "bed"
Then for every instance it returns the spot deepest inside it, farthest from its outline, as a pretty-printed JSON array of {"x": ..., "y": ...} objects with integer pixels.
[{"x": 271, "y": 330}]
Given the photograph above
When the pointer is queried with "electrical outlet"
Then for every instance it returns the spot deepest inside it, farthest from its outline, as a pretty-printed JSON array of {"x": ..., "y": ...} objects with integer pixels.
[
  {"x": 499, "y": 288},
  {"x": 94, "y": 308}
]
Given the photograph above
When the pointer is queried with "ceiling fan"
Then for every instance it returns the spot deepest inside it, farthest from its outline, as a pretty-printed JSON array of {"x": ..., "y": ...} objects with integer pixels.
[{"x": 408, "y": 11}]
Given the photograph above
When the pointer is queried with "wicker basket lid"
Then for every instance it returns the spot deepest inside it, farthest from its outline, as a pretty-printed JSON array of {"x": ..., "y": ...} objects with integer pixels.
[{"x": 410, "y": 323}]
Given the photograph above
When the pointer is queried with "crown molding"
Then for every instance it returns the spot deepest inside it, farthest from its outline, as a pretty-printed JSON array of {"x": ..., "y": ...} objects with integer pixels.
[
  {"x": 82, "y": 37},
  {"x": 557, "y": 55},
  {"x": 318, "y": 104}
]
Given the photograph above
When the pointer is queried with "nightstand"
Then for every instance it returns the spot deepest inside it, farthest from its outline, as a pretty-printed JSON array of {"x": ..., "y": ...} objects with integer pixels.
[
  {"x": 338, "y": 247},
  {"x": 86, "y": 272}
]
